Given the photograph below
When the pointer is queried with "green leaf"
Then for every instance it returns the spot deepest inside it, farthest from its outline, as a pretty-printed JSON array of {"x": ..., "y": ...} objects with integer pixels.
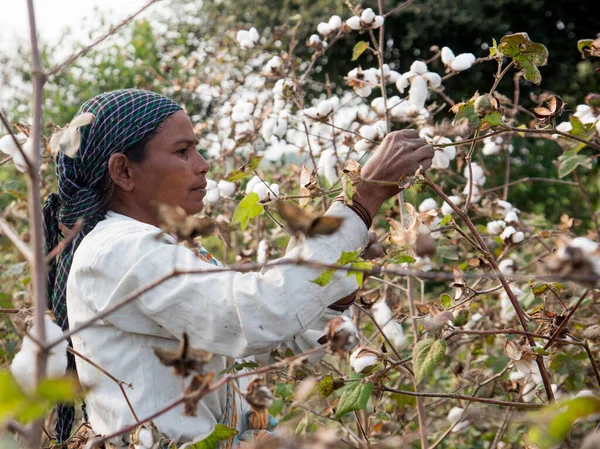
[
  {"x": 493, "y": 118},
  {"x": 355, "y": 396},
  {"x": 570, "y": 160},
  {"x": 346, "y": 258},
  {"x": 446, "y": 300},
  {"x": 494, "y": 50},
  {"x": 427, "y": 354},
  {"x": 63, "y": 390},
  {"x": 248, "y": 208},
  {"x": 554, "y": 422},
  {"x": 12, "y": 398},
  {"x": 220, "y": 433},
  {"x": 347, "y": 189},
  {"x": 284, "y": 390},
  {"x": 462, "y": 317},
  {"x": 403, "y": 258},
  {"x": 360, "y": 274},
  {"x": 527, "y": 55},
  {"x": 245, "y": 170},
  {"x": 467, "y": 110},
  {"x": 447, "y": 219},
  {"x": 325, "y": 277},
  {"x": 359, "y": 49},
  {"x": 276, "y": 407}
]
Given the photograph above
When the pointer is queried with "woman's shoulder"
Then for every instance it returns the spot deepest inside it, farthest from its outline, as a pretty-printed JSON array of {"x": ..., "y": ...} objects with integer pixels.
[{"x": 120, "y": 238}]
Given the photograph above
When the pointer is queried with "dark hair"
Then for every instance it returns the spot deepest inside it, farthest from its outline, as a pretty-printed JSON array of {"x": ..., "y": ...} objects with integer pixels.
[{"x": 135, "y": 153}]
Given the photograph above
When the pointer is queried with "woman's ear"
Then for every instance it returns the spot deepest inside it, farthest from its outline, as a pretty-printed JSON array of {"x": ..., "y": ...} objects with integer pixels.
[{"x": 119, "y": 168}]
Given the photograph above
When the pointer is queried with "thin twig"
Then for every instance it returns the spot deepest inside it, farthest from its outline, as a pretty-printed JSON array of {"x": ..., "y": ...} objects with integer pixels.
[
  {"x": 564, "y": 322},
  {"x": 463, "y": 397},
  {"x": 397, "y": 8},
  {"x": 16, "y": 240}
]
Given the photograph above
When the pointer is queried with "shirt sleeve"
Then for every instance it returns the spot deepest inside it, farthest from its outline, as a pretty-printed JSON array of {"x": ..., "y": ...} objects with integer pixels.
[{"x": 226, "y": 312}]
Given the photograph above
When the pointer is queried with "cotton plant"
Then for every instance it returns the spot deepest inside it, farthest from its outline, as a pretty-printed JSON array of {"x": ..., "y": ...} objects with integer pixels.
[
  {"x": 446, "y": 209},
  {"x": 419, "y": 78},
  {"x": 315, "y": 41},
  {"x": 282, "y": 91},
  {"x": 363, "y": 359},
  {"x": 362, "y": 81},
  {"x": 24, "y": 363},
  {"x": 243, "y": 111},
  {"x": 457, "y": 63},
  {"x": 273, "y": 66},
  {"x": 586, "y": 115},
  {"x": 248, "y": 38},
  {"x": 276, "y": 125},
  {"x": 367, "y": 20},
  {"x": 442, "y": 156},
  {"x": 511, "y": 235}
]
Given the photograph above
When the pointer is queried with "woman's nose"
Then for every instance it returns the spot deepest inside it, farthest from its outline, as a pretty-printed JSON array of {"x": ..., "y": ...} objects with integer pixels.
[{"x": 201, "y": 164}]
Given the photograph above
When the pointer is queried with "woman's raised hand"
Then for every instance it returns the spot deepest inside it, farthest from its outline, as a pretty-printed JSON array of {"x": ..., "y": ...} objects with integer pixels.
[{"x": 399, "y": 155}]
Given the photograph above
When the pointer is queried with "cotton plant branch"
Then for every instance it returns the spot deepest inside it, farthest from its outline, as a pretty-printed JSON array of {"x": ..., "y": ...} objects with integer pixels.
[
  {"x": 492, "y": 261},
  {"x": 69, "y": 60},
  {"x": 16, "y": 142},
  {"x": 38, "y": 266}
]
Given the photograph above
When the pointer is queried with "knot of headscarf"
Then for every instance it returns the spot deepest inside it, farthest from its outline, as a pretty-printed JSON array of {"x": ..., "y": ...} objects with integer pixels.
[{"x": 122, "y": 118}]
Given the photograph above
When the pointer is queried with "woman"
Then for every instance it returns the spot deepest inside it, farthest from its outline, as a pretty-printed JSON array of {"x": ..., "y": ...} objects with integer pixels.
[{"x": 139, "y": 150}]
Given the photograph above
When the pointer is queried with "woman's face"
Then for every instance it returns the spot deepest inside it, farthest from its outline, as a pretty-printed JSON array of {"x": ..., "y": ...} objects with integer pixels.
[{"x": 172, "y": 172}]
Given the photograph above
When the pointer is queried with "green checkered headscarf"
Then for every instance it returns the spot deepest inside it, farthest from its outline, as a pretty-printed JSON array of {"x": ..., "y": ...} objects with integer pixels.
[{"x": 122, "y": 118}]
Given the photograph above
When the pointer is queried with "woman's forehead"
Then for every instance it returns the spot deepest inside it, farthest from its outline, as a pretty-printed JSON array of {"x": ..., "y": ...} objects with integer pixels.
[{"x": 177, "y": 129}]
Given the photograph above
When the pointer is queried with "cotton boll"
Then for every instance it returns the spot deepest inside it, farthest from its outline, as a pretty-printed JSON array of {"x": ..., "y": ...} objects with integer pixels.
[
  {"x": 323, "y": 28},
  {"x": 478, "y": 174},
  {"x": 495, "y": 227},
  {"x": 242, "y": 35},
  {"x": 378, "y": 105},
  {"x": 454, "y": 416},
  {"x": 507, "y": 267},
  {"x": 361, "y": 360},
  {"x": 226, "y": 188},
  {"x": 362, "y": 145},
  {"x": 417, "y": 95},
  {"x": 23, "y": 364},
  {"x": 564, "y": 127},
  {"x": 327, "y": 166},
  {"x": 402, "y": 82},
  {"x": 391, "y": 328},
  {"x": 261, "y": 190},
  {"x": 463, "y": 61},
  {"x": 393, "y": 76},
  {"x": 447, "y": 55},
  {"x": 314, "y": 39},
  {"x": 427, "y": 205},
  {"x": 505, "y": 206},
  {"x": 253, "y": 181},
  {"x": 446, "y": 209},
  {"x": 377, "y": 22},
  {"x": 529, "y": 391},
  {"x": 335, "y": 22},
  {"x": 367, "y": 16},
  {"x": 354, "y": 23},
  {"x": 253, "y": 34},
  {"x": 440, "y": 160},
  {"x": 364, "y": 91},
  {"x": 8, "y": 146},
  {"x": 434, "y": 79},
  {"x": 324, "y": 108},
  {"x": 368, "y": 132},
  {"x": 507, "y": 233},
  {"x": 418, "y": 67},
  {"x": 491, "y": 146},
  {"x": 517, "y": 237},
  {"x": 311, "y": 112},
  {"x": 273, "y": 191},
  {"x": 212, "y": 192},
  {"x": 475, "y": 192},
  {"x": 511, "y": 217}
]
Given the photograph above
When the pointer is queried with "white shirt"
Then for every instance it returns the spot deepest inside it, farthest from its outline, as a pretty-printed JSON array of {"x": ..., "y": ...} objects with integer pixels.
[{"x": 228, "y": 313}]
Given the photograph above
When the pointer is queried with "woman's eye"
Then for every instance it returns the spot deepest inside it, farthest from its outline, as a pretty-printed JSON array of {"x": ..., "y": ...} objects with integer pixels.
[{"x": 182, "y": 151}]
